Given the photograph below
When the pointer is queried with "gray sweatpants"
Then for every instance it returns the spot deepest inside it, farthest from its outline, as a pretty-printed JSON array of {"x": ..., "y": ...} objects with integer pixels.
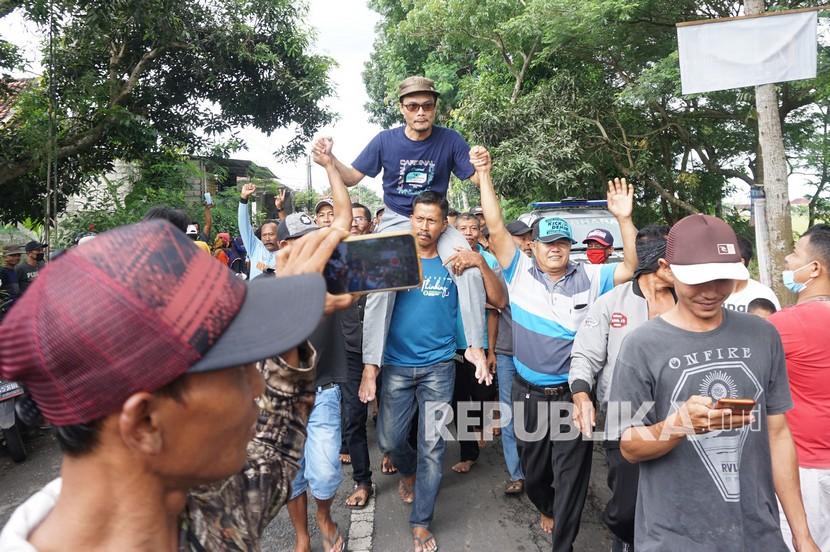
[{"x": 379, "y": 306}]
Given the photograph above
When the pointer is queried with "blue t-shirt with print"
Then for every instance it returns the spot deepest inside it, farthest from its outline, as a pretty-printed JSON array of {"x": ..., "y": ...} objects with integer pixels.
[
  {"x": 422, "y": 330},
  {"x": 411, "y": 167}
]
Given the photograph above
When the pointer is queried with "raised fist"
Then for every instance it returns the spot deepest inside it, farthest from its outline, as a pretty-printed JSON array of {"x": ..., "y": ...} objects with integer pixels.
[{"x": 247, "y": 191}]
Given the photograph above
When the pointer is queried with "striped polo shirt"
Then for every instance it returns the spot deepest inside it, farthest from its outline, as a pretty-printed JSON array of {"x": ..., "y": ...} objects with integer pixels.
[{"x": 546, "y": 314}]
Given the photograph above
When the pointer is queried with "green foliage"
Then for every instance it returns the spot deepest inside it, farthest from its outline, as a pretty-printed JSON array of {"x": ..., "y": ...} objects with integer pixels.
[
  {"x": 569, "y": 93},
  {"x": 137, "y": 78}
]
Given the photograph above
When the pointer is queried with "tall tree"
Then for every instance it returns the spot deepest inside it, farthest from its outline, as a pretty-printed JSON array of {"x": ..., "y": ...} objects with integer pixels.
[
  {"x": 570, "y": 92},
  {"x": 136, "y": 77}
]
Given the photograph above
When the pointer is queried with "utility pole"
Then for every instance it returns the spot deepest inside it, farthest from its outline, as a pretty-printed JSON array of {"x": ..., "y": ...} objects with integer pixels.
[
  {"x": 309, "y": 200},
  {"x": 777, "y": 240}
]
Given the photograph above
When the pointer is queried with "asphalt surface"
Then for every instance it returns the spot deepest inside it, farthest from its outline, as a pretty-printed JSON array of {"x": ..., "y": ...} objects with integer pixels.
[{"x": 472, "y": 512}]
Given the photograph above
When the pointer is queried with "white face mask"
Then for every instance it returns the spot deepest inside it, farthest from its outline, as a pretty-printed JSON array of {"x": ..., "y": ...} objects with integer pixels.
[{"x": 788, "y": 277}]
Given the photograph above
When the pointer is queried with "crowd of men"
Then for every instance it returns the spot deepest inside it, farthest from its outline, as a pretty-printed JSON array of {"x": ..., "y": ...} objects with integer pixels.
[{"x": 212, "y": 413}]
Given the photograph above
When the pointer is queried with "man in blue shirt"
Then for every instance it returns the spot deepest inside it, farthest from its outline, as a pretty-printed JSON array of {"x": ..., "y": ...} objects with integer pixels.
[
  {"x": 416, "y": 157},
  {"x": 261, "y": 252},
  {"x": 549, "y": 297},
  {"x": 418, "y": 367}
]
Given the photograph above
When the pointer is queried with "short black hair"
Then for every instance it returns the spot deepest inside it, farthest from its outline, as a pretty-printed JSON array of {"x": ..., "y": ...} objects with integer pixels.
[
  {"x": 366, "y": 212},
  {"x": 432, "y": 198},
  {"x": 177, "y": 217},
  {"x": 747, "y": 249},
  {"x": 819, "y": 243},
  {"x": 80, "y": 439},
  {"x": 258, "y": 232},
  {"x": 652, "y": 232},
  {"x": 453, "y": 212},
  {"x": 761, "y": 303},
  {"x": 379, "y": 211}
]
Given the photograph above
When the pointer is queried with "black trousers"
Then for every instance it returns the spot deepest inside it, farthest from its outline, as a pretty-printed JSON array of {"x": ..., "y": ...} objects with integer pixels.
[
  {"x": 550, "y": 462},
  {"x": 623, "y": 479},
  {"x": 357, "y": 413},
  {"x": 467, "y": 389}
]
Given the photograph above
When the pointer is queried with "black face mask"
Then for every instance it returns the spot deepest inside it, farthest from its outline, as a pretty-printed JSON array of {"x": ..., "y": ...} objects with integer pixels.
[{"x": 39, "y": 257}]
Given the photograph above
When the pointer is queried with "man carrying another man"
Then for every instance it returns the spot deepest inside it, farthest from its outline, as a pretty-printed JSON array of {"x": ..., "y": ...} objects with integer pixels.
[{"x": 416, "y": 157}]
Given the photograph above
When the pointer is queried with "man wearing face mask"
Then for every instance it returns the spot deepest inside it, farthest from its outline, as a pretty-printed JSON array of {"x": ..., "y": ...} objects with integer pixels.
[
  {"x": 29, "y": 266},
  {"x": 600, "y": 245},
  {"x": 803, "y": 330}
]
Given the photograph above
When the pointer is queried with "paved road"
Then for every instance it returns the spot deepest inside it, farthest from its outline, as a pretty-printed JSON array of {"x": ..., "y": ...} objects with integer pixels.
[{"x": 472, "y": 511}]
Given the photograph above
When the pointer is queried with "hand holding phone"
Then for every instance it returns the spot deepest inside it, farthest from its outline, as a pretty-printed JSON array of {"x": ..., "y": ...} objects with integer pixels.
[
  {"x": 374, "y": 262},
  {"x": 736, "y": 405}
]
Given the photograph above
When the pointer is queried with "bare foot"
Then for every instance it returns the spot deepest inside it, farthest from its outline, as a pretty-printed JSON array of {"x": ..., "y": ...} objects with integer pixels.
[
  {"x": 303, "y": 545},
  {"x": 406, "y": 489},
  {"x": 463, "y": 466},
  {"x": 386, "y": 466},
  {"x": 423, "y": 540},
  {"x": 546, "y": 523}
]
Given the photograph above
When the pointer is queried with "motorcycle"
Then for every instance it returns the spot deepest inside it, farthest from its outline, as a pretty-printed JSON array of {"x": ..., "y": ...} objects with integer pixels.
[{"x": 12, "y": 427}]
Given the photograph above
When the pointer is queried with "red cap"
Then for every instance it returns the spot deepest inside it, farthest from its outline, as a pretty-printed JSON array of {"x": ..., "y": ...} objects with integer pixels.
[{"x": 131, "y": 311}]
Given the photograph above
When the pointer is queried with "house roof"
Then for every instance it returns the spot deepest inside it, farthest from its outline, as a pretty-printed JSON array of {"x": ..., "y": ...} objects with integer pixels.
[{"x": 9, "y": 91}]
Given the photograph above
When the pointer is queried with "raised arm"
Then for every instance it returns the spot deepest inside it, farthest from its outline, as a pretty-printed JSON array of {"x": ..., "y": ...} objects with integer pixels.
[
  {"x": 621, "y": 205},
  {"x": 501, "y": 243},
  {"x": 342, "y": 201},
  {"x": 246, "y": 231},
  {"x": 349, "y": 175},
  {"x": 208, "y": 225},
  {"x": 279, "y": 203}
]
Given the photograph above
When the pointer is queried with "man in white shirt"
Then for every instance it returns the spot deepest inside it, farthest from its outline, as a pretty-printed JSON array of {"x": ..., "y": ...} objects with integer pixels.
[{"x": 747, "y": 290}]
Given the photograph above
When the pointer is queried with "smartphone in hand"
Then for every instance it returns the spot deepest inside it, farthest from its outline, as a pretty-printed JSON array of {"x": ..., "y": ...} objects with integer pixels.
[
  {"x": 736, "y": 405},
  {"x": 374, "y": 262}
]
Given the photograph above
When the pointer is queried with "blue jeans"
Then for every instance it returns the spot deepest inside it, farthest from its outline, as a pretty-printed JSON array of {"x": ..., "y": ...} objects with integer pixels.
[
  {"x": 320, "y": 464},
  {"x": 402, "y": 387},
  {"x": 505, "y": 370}
]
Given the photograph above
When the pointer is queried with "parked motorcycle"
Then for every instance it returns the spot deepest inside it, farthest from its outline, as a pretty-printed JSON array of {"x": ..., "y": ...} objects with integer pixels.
[{"x": 12, "y": 427}]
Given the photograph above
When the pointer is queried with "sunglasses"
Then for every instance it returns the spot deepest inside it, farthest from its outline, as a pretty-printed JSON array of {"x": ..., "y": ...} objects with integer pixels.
[{"x": 413, "y": 107}]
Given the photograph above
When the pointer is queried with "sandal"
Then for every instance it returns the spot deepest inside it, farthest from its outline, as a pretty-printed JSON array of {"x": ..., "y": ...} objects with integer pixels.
[
  {"x": 330, "y": 544},
  {"x": 515, "y": 487},
  {"x": 369, "y": 489},
  {"x": 421, "y": 542}
]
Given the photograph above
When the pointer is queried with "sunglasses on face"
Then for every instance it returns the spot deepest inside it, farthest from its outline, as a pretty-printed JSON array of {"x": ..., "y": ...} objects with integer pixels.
[{"x": 413, "y": 107}]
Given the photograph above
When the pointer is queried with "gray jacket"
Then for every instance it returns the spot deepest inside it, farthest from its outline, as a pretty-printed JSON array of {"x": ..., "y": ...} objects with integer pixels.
[{"x": 597, "y": 343}]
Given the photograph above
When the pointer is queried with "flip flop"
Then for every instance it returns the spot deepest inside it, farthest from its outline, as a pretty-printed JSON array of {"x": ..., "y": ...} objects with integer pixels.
[
  {"x": 515, "y": 487},
  {"x": 369, "y": 494},
  {"x": 422, "y": 541},
  {"x": 328, "y": 544}
]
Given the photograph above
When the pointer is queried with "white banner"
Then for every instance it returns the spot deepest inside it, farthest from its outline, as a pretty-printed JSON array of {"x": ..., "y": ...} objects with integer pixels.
[{"x": 747, "y": 52}]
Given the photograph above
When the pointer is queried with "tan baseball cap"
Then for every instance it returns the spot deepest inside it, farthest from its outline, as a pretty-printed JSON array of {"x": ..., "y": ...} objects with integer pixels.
[{"x": 412, "y": 85}]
